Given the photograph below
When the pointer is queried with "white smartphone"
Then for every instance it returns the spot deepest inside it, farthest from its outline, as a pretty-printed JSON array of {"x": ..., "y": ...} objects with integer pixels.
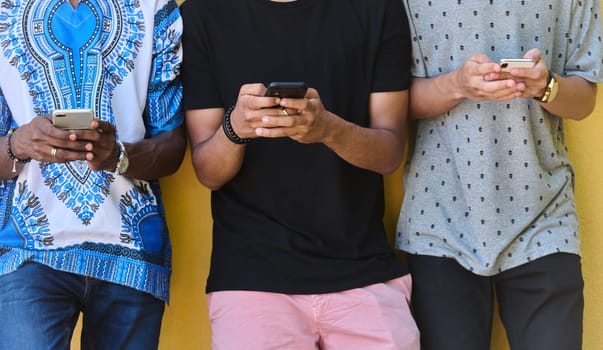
[
  {"x": 72, "y": 119},
  {"x": 508, "y": 63}
]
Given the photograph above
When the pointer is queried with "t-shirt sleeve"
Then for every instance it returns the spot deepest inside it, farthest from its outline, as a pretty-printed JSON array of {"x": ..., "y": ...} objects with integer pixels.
[
  {"x": 392, "y": 69},
  {"x": 584, "y": 55},
  {"x": 162, "y": 111},
  {"x": 418, "y": 68},
  {"x": 200, "y": 87}
]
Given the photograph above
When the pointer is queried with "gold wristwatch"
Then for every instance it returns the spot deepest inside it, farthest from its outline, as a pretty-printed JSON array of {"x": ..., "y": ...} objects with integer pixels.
[{"x": 552, "y": 88}]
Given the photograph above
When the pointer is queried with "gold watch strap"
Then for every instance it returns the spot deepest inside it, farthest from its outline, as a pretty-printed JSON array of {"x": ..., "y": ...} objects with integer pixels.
[{"x": 552, "y": 88}]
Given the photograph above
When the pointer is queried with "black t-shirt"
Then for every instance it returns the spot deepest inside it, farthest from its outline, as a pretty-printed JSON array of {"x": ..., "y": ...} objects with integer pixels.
[{"x": 297, "y": 218}]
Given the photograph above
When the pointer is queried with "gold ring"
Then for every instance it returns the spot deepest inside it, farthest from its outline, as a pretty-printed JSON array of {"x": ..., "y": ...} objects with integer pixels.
[
  {"x": 53, "y": 152},
  {"x": 284, "y": 111}
]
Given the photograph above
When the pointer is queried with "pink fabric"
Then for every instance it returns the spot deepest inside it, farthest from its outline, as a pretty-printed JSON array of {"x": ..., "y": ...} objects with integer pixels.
[{"x": 376, "y": 317}]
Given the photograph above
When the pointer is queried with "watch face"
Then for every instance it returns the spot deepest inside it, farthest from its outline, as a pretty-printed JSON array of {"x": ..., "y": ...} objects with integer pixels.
[
  {"x": 124, "y": 164},
  {"x": 554, "y": 90},
  {"x": 551, "y": 90}
]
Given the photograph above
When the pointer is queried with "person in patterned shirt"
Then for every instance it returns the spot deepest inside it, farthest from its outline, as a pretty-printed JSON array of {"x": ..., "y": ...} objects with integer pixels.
[
  {"x": 83, "y": 228},
  {"x": 489, "y": 206}
]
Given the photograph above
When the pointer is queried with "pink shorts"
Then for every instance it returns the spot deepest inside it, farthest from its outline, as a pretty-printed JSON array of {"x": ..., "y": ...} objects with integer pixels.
[{"x": 372, "y": 317}]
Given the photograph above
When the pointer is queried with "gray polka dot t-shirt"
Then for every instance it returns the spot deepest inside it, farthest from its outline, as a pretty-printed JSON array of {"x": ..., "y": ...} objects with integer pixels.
[{"x": 489, "y": 183}]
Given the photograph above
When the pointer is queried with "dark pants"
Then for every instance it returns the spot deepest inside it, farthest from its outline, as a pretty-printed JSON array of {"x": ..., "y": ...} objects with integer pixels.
[
  {"x": 39, "y": 308},
  {"x": 540, "y": 304}
]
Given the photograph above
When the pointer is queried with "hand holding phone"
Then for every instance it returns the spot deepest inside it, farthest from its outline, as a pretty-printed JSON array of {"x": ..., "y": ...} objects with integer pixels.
[
  {"x": 287, "y": 89},
  {"x": 72, "y": 119},
  {"x": 509, "y": 63}
]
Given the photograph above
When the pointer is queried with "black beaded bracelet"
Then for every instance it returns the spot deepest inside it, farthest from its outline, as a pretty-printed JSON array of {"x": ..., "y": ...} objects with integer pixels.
[
  {"x": 229, "y": 131},
  {"x": 11, "y": 155}
]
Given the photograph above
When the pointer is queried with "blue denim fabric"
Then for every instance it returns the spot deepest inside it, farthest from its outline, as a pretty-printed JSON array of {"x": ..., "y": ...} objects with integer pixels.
[{"x": 39, "y": 307}]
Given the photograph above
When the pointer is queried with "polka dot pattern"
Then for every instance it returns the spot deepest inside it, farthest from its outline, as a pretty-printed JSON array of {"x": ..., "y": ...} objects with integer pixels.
[{"x": 490, "y": 183}]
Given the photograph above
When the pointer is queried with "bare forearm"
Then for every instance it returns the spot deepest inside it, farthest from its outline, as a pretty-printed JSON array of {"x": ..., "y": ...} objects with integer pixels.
[
  {"x": 431, "y": 97},
  {"x": 378, "y": 150},
  {"x": 576, "y": 98},
  {"x": 6, "y": 164},
  {"x": 217, "y": 160},
  {"x": 157, "y": 156}
]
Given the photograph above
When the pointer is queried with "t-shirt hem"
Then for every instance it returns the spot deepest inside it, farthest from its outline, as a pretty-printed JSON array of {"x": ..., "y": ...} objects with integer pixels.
[
  {"x": 333, "y": 288},
  {"x": 500, "y": 265}
]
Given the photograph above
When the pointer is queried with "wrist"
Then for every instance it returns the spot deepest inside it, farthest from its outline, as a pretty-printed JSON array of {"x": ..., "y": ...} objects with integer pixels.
[
  {"x": 550, "y": 90},
  {"x": 11, "y": 155},
  {"x": 333, "y": 127},
  {"x": 122, "y": 162},
  {"x": 229, "y": 130},
  {"x": 455, "y": 87}
]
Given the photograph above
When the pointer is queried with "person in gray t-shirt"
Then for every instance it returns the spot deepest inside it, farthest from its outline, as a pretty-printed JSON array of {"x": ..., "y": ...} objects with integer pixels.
[{"x": 489, "y": 203}]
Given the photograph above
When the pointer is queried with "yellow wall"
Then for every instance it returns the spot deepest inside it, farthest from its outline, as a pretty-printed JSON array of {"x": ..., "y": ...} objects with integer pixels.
[{"x": 186, "y": 326}]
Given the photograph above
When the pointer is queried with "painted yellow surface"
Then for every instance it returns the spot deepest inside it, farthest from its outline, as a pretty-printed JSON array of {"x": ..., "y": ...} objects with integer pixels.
[{"x": 186, "y": 325}]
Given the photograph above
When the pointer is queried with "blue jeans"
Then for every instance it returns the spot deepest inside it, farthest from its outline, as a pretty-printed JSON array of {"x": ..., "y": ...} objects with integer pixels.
[{"x": 39, "y": 307}]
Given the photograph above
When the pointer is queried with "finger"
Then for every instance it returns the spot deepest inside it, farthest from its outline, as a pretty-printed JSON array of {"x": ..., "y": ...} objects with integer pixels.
[
  {"x": 493, "y": 76},
  {"x": 312, "y": 93},
  {"x": 104, "y": 127},
  {"x": 261, "y": 102},
  {"x": 295, "y": 104},
  {"x": 508, "y": 96},
  {"x": 274, "y": 111},
  {"x": 76, "y": 146},
  {"x": 61, "y": 155},
  {"x": 89, "y": 135},
  {"x": 498, "y": 85},
  {"x": 483, "y": 69},
  {"x": 480, "y": 58},
  {"x": 534, "y": 54},
  {"x": 53, "y": 153},
  {"x": 256, "y": 89},
  {"x": 273, "y": 132},
  {"x": 43, "y": 126},
  {"x": 279, "y": 121},
  {"x": 293, "y": 112}
]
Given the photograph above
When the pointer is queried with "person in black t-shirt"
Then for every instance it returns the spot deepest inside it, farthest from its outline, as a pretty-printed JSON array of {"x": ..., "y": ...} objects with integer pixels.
[{"x": 300, "y": 258}]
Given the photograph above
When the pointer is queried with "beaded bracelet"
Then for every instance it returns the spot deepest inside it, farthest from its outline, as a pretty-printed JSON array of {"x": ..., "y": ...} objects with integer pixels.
[
  {"x": 229, "y": 131},
  {"x": 11, "y": 155}
]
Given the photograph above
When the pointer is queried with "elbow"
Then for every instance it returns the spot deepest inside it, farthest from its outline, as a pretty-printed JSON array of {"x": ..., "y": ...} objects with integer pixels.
[
  {"x": 584, "y": 101},
  {"x": 209, "y": 179},
  {"x": 177, "y": 159},
  {"x": 392, "y": 165},
  {"x": 389, "y": 170},
  {"x": 212, "y": 187},
  {"x": 208, "y": 182},
  {"x": 581, "y": 113},
  {"x": 588, "y": 109}
]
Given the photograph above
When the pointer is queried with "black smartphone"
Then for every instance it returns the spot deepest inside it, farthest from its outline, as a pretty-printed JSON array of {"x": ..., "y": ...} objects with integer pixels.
[{"x": 289, "y": 89}]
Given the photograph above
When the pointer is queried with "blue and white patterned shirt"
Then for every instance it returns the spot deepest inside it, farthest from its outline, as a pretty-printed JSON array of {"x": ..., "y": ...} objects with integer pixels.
[{"x": 120, "y": 58}]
